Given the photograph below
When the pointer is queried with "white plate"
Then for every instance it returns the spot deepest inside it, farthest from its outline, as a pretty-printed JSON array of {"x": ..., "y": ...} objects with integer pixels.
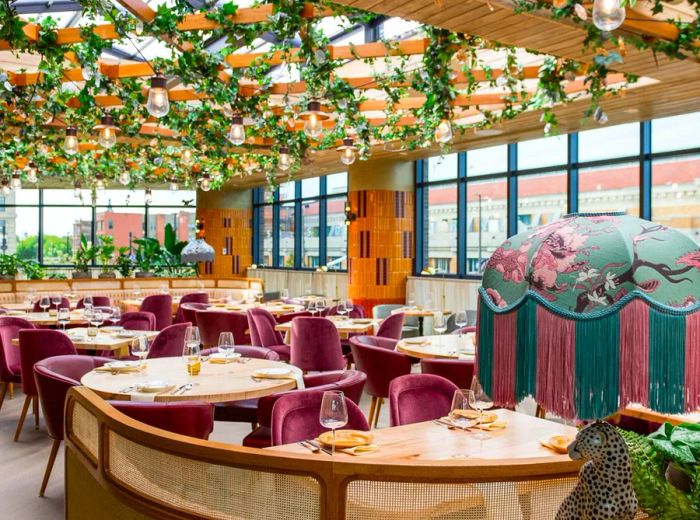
[
  {"x": 221, "y": 355},
  {"x": 273, "y": 373},
  {"x": 121, "y": 364},
  {"x": 126, "y": 334},
  {"x": 113, "y": 328},
  {"x": 415, "y": 341},
  {"x": 156, "y": 385}
]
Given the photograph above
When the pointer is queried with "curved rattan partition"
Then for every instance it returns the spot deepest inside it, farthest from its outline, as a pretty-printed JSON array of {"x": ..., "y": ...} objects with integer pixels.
[{"x": 127, "y": 470}]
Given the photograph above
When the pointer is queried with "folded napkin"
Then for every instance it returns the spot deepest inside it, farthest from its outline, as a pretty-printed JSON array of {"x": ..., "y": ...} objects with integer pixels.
[
  {"x": 143, "y": 397},
  {"x": 489, "y": 427},
  {"x": 296, "y": 376},
  {"x": 119, "y": 370}
]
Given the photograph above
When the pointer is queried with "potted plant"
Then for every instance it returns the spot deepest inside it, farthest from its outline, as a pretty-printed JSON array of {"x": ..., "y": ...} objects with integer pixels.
[
  {"x": 147, "y": 255},
  {"x": 105, "y": 254},
  {"x": 9, "y": 267},
  {"x": 32, "y": 270},
  {"x": 83, "y": 257},
  {"x": 170, "y": 262},
  {"x": 124, "y": 262}
]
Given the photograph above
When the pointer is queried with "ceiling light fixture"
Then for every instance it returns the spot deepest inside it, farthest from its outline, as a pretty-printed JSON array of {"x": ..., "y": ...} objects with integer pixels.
[
  {"x": 348, "y": 151},
  {"x": 70, "y": 143},
  {"x": 158, "y": 104},
  {"x": 313, "y": 119},
  {"x": 107, "y": 131}
]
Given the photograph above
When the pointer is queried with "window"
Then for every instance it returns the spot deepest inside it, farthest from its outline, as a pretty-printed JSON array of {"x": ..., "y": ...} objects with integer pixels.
[
  {"x": 316, "y": 208},
  {"x": 442, "y": 168},
  {"x": 541, "y": 199},
  {"x": 675, "y": 133},
  {"x": 484, "y": 161},
  {"x": 487, "y": 219},
  {"x": 675, "y": 193},
  {"x": 610, "y": 188},
  {"x": 442, "y": 228},
  {"x": 540, "y": 153},
  {"x": 609, "y": 142}
]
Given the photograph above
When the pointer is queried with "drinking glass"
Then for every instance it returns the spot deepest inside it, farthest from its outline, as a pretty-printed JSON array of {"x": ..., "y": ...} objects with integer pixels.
[
  {"x": 137, "y": 291},
  {"x": 460, "y": 404},
  {"x": 312, "y": 307},
  {"x": 56, "y": 300},
  {"x": 45, "y": 303},
  {"x": 87, "y": 301},
  {"x": 226, "y": 344},
  {"x": 97, "y": 319},
  {"x": 258, "y": 297},
  {"x": 164, "y": 289},
  {"x": 349, "y": 306},
  {"x": 439, "y": 323},
  {"x": 320, "y": 306},
  {"x": 64, "y": 317},
  {"x": 116, "y": 314},
  {"x": 342, "y": 309},
  {"x": 480, "y": 401},
  {"x": 284, "y": 295},
  {"x": 334, "y": 413},
  {"x": 139, "y": 348},
  {"x": 461, "y": 320},
  {"x": 191, "y": 351}
]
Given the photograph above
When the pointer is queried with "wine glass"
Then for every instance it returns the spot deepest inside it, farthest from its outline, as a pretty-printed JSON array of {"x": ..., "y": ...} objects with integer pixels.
[
  {"x": 334, "y": 413},
  {"x": 88, "y": 302},
  {"x": 164, "y": 289},
  {"x": 63, "y": 317},
  {"x": 258, "y": 297},
  {"x": 226, "y": 344},
  {"x": 349, "y": 306},
  {"x": 139, "y": 348},
  {"x": 320, "y": 306},
  {"x": 458, "y": 415},
  {"x": 342, "y": 309},
  {"x": 312, "y": 307},
  {"x": 116, "y": 314},
  {"x": 45, "y": 303},
  {"x": 284, "y": 295},
  {"x": 480, "y": 401},
  {"x": 137, "y": 291},
  {"x": 191, "y": 351},
  {"x": 461, "y": 320},
  {"x": 56, "y": 300},
  {"x": 439, "y": 323},
  {"x": 96, "y": 319}
]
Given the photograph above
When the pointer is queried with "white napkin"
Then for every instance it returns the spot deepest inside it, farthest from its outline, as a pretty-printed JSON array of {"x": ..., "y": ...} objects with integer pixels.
[
  {"x": 299, "y": 378},
  {"x": 143, "y": 397}
]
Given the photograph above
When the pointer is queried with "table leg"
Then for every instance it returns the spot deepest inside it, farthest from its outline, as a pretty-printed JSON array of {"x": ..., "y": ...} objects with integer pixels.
[{"x": 420, "y": 325}]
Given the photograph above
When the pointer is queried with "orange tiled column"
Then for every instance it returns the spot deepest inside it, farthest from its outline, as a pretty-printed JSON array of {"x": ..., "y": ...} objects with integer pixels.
[
  {"x": 381, "y": 239},
  {"x": 228, "y": 229}
]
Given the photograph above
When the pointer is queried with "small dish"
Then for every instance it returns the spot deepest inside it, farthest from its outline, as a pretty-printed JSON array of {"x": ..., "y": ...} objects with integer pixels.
[
  {"x": 156, "y": 385},
  {"x": 112, "y": 328},
  {"x": 346, "y": 438},
  {"x": 558, "y": 443},
  {"x": 273, "y": 373},
  {"x": 362, "y": 321},
  {"x": 486, "y": 417},
  {"x": 416, "y": 341},
  {"x": 220, "y": 357}
]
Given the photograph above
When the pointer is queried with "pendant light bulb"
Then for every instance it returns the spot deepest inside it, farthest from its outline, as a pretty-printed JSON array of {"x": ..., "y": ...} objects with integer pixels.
[
  {"x": 608, "y": 15},
  {"x": 443, "y": 132},
  {"x": 32, "y": 173},
  {"x": 313, "y": 119},
  {"x": 205, "y": 182},
  {"x": 16, "y": 182},
  {"x": 284, "y": 161},
  {"x": 99, "y": 182},
  {"x": 107, "y": 132},
  {"x": 158, "y": 104},
  {"x": 348, "y": 151},
  {"x": 76, "y": 190},
  {"x": 124, "y": 178},
  {"x": 148, "y": 196},
  {"x": 187, "y": 157},
  {"x": 237, "y": 133},
  {"x": 70, "y": 143},
  {"x": 173, "y": 184},
  {"x": 5, "y": 186}
]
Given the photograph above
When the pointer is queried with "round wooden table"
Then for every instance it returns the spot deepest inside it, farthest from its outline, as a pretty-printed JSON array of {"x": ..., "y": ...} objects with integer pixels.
[
  {"x": 217, "y": 382},
  {"x": 447, "y": 346}
]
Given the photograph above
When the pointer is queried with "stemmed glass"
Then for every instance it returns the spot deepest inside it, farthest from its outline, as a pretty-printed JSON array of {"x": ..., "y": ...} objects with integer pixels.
[
  {"x": 458, "y": 417},
  {"x": 284, "y": 295},
  {"x": 56, "y": 300},
  {"x": 63, "y": 317},
  {"x": 96, "y": 319},
  {"x": 349, "y": 306},
  {"x": 342, "y": 309},
  {"x": 191, "y": 351},
  {"x": 320, "y": 306},
  {"x": 226, "y": 344},
  {"x": 258, "y": 297},
  {"x": 87, "y": 302},
  {"x": 461, "y": 320},
  {"x": 312, "y": 307},
  {"x": 45, "y": 303},
  {"x": 139, "y": 348},
  {"x": 334, "y": 413},
  {"x": 480, "y": 401},
  {"x": 137, "y": 291},
  {"x": 116, "y": 314},
  {"x": 439, "y": 323}
]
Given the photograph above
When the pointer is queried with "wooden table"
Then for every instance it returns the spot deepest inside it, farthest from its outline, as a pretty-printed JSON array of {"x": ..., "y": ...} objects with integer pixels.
[
  {"x": 46, "y": 320},
  {"x": 641, "y": 412},
  {"x": 447, "y": 346},
  {"x": 275, "y": 309},
  {"x": 415, "y": 312},
  {"x": 215, "y": 383},
  {"x": 428, "y": 441},
  {"x": 26, "y": 306},
  {"x": 345, "y": 327},
  {"x": 105, "y": 340}
]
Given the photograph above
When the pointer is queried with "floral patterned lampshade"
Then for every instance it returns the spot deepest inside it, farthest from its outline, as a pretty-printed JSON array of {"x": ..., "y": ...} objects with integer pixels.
[
  {"x": 197, "y": 250},
  {"x": 590, "y": 313}
]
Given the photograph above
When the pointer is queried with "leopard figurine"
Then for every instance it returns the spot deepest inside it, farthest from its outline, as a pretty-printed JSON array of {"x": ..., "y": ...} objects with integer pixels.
[{"x": 604, "y": 489}]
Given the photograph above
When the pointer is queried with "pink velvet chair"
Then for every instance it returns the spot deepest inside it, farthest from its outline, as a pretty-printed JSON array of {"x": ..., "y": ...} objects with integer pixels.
[
  {"x": 161, "y": 305},
  {"x": 138, "y": 321},
  {"x": 191, "y": 418},
  {"x": 213, "y": 323},
  {"x": 10, "y": 369},
  {"x": 459, "y": 371},
  {"x": 295, "y": 417},
  {"x": 284, "y": 318},
  {"x": 350, "y": 382},
  {"x": 169, "y": 342},
  {"x": 392, "y": 326},
  {"x": 464, "y": 330},
  {"x": 64, "y": 303},
  {"x": 382, "y": 365},
  {"x": 97, "y": 301},
  {"x": 315, "y": 345},
  {"x": 35, "y": 345},
  {"x": 189, "y": 311},
  {"x": 262, "y": 332},
  {"x": 54, "y": 377},
  {"x": 419, "y": 397},
  {"x": 198, "y": 297}
]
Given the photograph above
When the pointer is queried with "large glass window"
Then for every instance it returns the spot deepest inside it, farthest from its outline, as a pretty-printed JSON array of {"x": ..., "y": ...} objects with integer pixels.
[
  {"x": 609, "y": 188},
  {"x": 63, "y": 219},
  {"x": 609, "y": 142},
  {"x": 540, "y": 153},
  {"x": 675, "y": 193},
  {"x": 317, "y": 205},
  {"x": 675, "y": 133},
  {"x": 541, "y": 199},
  {"x": 484, "y": 161},
  {"x": 442, "y": 228},
  {"x": 487, "y": 221}
]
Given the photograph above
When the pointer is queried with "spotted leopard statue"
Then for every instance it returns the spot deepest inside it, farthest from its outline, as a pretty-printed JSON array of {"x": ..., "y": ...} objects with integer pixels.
[{"x": 604, "y": 489}]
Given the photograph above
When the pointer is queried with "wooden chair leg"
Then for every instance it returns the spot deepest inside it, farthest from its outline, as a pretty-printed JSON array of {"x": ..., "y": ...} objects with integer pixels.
[
  {"x": 540, "y": 411},
  {"x": 35, "y": 409},
  {"x": 372, "y": 406},
  {"x": 23, "y": 415},
  {"x": 49, "y": 466},
  {"x": 12, "y": 390},
  {"x": 380, "y": 401},
  {"x": 3, "y": 391}
]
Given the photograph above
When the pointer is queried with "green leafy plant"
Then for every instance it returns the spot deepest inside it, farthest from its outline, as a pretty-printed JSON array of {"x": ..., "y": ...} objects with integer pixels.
[
  {"x": 32, "y": 270},
  {"x": 124, "y": 262},
  {"x": 147, "y": 254},
  {"x": 106, "y": 252},
  {"x": 85, "y": 254},
  {"x": 9, "y": 265},
  {"x": 57, "y": 276}
]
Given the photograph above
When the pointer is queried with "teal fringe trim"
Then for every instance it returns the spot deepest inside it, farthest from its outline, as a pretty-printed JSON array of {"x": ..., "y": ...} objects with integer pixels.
[
  {"x": 579, "y": 316},
  {"x": 526, "y": 351},
  {"x": 666, "y": 362},
  {"x": 486, "y": 349},
  {"x": 597, "y": 367}
]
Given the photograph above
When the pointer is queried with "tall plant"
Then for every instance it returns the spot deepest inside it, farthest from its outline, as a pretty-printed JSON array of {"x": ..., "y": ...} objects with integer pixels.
[
  {"x": 106, "y": 253},
  {"x": 85, "y": 254}
]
